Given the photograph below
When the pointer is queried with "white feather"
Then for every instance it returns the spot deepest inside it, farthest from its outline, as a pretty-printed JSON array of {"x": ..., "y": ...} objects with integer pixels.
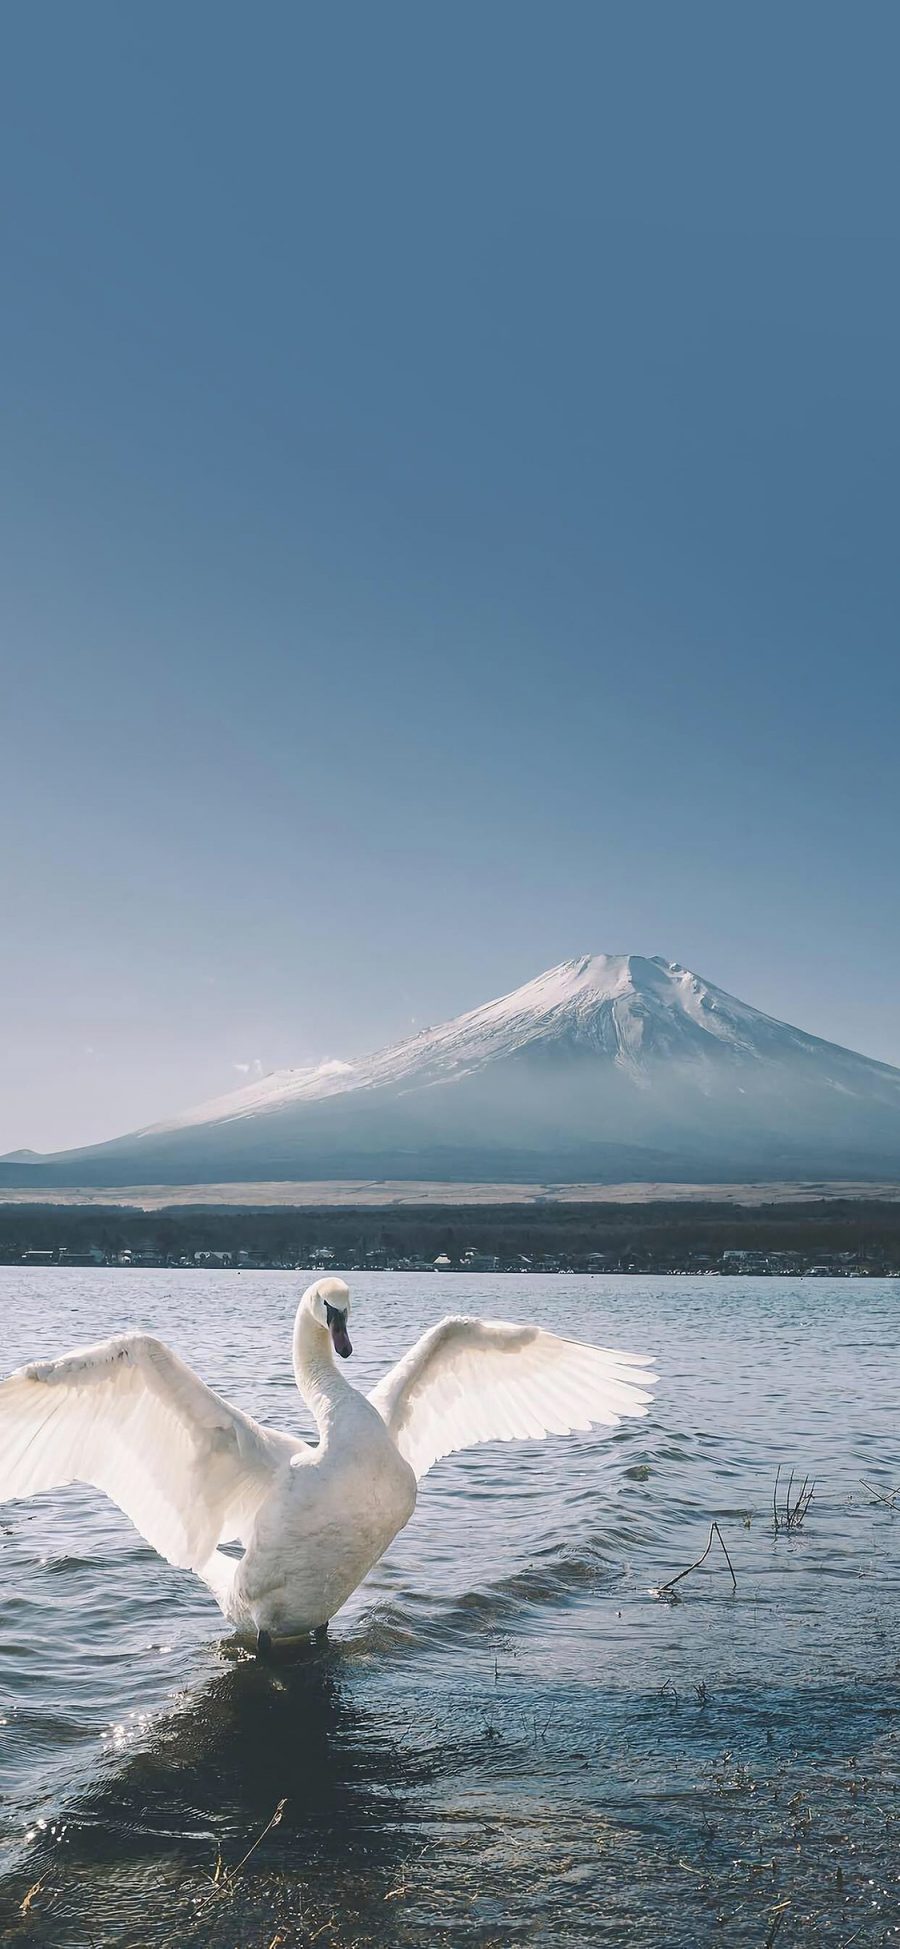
[
  {"x": 468, "y": 1381},
  {"x": 130, "y": 1418}
]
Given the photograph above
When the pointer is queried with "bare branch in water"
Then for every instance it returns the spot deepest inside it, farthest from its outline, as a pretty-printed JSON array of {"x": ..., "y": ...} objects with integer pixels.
[
  {"x": 714, "y": 1531},
  {"x": 778, "y": 1917},
  {"x": 889, "y": 1497},
  {"x": 224, "y": 1878},
  {"x": 794, "y": 1508}
]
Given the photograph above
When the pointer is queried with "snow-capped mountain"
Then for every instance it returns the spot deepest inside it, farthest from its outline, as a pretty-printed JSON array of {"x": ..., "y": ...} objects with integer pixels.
[{"x": 608, "y": 1067}]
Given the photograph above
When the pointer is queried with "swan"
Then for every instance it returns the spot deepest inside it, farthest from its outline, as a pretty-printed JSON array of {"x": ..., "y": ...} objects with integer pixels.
[{"x": 281, "y": 1531}]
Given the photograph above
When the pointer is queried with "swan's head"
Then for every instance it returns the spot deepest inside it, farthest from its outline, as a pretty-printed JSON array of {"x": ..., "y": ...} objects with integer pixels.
[{"x": 329, "y": 1303}]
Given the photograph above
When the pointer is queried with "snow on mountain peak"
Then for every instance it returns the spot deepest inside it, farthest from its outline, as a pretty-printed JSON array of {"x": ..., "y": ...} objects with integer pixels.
[
  {"x": 625, "y": 1007},
  {"x": 609, "y": 1063}
]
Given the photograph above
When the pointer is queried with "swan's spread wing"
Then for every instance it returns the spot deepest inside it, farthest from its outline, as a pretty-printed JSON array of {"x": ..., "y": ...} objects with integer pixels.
[
  {"x": 132, "y": 1419},
  {"x": 468, "y": 1381}
]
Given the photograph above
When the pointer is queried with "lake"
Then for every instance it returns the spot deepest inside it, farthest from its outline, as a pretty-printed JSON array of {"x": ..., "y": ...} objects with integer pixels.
[{"x": 511, "y": 1738}]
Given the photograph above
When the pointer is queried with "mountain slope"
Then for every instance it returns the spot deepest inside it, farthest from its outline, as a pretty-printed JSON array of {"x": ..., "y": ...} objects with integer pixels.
[{"x": 607, "y": 1067}]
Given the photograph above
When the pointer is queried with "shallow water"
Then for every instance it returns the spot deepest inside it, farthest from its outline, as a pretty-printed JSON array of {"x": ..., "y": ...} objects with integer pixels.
[{"x": 510, "y": 1739}]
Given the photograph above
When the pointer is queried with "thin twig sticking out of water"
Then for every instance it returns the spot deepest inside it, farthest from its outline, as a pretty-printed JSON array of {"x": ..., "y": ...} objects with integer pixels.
[
  {"x": 889, "y": 1497},
  {"x": 792, "y": 1513},
  {"x": 779, "y": 1915},
  {"x": 224, "y": 1878},
  {"x": 714, "y": 1531}
]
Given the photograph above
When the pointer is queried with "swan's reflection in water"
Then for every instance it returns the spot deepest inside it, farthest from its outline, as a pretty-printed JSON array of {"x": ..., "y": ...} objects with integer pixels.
[
  {"x": 612, "y": 1818},
  {"x": 135, "y": 1859}
]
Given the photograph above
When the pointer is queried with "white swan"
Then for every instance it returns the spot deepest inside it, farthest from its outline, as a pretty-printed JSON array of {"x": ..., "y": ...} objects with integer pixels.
[{"x": 194, "y": 1473}]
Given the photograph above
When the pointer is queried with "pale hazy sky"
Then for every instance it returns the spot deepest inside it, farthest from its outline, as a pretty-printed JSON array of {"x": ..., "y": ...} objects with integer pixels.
[{"x": 450, "y": 514}]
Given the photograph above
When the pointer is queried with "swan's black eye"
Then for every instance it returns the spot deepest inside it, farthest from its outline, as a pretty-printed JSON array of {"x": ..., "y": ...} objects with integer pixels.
[{"x": 334, "y": 1315}]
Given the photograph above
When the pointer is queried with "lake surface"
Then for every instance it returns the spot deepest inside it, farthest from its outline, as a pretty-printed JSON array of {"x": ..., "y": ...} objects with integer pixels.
[{"x": 511, "y": 1738}]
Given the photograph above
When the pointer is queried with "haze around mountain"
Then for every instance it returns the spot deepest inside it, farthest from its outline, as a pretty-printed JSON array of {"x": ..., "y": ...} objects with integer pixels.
[{"x": 605, "y": 1068}]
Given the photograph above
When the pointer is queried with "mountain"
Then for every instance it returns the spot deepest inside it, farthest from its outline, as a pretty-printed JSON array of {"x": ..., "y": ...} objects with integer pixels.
[{"x": 611, "y": 1067}]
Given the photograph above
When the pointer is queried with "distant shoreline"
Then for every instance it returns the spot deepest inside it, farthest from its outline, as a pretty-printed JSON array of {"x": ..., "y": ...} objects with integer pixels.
[
  {"x": 375, "y": 1194},
  {"x": 791, "y": 1234}
]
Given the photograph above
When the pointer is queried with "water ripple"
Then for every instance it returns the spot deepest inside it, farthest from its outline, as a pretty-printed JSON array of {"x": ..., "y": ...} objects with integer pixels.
[{"x": 507, "y": 1692}]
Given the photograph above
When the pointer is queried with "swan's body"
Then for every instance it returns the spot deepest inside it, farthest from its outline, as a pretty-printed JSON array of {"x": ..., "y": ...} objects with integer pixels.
[{"x": 194, "y": 1473}]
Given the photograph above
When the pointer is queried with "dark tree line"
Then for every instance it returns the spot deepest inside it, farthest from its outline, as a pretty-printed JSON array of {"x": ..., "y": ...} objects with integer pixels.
[{"x": 652, "y": 1234}]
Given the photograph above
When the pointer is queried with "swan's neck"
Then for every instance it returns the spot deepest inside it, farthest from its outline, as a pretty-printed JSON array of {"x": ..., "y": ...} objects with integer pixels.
[{"x": 323, "y": 1388}]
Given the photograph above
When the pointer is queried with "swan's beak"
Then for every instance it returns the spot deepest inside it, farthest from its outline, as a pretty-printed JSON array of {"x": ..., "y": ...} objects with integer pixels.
[{"x": 337, "y": 1327}]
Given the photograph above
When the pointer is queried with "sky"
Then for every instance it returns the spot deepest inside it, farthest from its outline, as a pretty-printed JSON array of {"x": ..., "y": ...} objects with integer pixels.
[{"x": 449, "y": 510}]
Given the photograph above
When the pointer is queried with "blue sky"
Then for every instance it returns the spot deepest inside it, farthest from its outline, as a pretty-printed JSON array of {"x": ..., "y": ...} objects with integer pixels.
[{"x": 449, "y": 513}]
